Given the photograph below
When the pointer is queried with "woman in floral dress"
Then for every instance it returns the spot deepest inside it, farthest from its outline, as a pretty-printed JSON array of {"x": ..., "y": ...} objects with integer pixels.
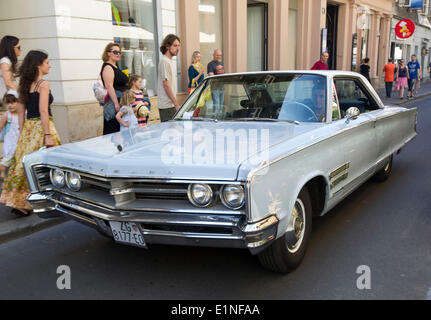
[{"x": 37, "y": 131}]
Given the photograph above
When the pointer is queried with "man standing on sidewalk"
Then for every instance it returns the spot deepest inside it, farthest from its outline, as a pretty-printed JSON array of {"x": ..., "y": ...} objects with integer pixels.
[
  {"x": 389, "y": 71},
  {"x": 415, "y": 76},
  {"x": 167, "y": 79},
  {"x": 216, "y": 67},
  {"x": 322, "y": 64}
]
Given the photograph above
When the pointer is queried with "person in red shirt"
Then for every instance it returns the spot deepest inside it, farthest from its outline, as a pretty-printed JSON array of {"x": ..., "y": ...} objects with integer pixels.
[
  {"x": 389, "y": 71},
  {"x": 322, "y": 64}
]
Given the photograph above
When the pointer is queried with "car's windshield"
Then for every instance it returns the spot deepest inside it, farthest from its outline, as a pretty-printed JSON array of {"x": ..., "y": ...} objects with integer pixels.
[{"x": 279, "y": 97}]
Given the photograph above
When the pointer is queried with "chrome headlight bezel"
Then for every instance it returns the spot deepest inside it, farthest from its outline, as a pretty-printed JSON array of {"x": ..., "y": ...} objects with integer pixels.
[
  {"x": 53, "y": 179},
  {"x": 241, "y": 196},
  {"x": 210, "y": 195},
  {"x": 74, "y": 186}
]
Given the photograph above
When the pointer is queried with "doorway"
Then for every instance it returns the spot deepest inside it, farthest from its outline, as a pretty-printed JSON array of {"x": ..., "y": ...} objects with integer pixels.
[
  {"x": 331, "y": 25},
  {"x": 257, "y": 36}
]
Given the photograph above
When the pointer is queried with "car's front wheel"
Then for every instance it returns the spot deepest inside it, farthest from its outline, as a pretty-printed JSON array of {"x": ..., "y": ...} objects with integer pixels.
[
  {"x": 287, "y": 252},
  {"x": 385, "y": 172}
]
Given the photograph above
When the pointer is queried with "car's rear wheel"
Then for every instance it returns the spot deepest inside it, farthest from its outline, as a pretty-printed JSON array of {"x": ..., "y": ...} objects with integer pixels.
[
  {"x": 384, "y": 173},
  {"x": 287, "y": 252}
]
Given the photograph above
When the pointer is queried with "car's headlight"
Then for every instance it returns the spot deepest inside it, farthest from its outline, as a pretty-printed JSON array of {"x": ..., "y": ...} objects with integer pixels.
[
  {"x": 73, "y": 181},
  {"x": 57, "y": 178},
  {"x": 232, "y": 196},
  {"x": 200, "y": 195}
]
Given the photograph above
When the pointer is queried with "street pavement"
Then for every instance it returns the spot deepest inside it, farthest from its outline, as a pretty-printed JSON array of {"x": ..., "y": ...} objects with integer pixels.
[{"x": 386, "y": 227}]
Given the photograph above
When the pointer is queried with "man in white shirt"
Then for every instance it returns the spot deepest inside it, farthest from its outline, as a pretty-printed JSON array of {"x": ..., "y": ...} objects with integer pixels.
[{"x": 167, "y": 78}]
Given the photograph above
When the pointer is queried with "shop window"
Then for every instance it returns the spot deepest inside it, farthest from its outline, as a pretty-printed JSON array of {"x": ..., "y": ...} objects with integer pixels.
[
  {"x": 135, "y": 30},
  {"x": 211, "y": 29}
]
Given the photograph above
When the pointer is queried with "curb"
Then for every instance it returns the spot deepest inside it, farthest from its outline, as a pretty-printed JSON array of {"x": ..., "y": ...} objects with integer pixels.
[
  {"x": 406, "y": 101},
  {"x": 21, "y": 227}
]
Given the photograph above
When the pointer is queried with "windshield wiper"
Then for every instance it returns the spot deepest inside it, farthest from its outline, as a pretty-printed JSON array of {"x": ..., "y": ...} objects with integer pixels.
[
  {"x": 203, "y": 119},
  {"x": 265, "y": 120},
  {"x": 195, "y": 119}
]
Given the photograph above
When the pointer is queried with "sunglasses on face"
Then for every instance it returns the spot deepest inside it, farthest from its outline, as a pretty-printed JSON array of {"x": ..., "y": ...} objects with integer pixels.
[{"x": 116, "y": 52}]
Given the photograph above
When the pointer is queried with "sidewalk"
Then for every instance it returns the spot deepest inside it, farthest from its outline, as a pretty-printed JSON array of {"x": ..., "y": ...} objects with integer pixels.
[
  {"x": 13, "y": 226},
  {"x": 424, "y": 90}
]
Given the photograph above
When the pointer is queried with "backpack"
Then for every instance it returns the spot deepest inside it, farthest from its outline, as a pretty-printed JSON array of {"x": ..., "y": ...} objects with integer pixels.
[{"x": 6, "y": 127}]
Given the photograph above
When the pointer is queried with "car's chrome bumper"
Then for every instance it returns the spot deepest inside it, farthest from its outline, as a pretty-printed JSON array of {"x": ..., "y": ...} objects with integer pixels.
[{"x": 164, "y": 228}]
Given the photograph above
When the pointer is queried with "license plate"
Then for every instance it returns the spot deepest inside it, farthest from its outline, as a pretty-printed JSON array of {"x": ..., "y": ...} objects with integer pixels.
[{"x": 128, "y": 233}]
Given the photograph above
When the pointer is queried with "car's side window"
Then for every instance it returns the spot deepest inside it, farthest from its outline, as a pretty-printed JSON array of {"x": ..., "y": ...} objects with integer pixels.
[
  {"x": 352, "y": 94},
  {"x": 335, "y": 107}
]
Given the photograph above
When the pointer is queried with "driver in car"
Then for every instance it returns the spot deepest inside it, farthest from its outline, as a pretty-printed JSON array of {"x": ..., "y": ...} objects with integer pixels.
[{"x": 319, "y": 102}]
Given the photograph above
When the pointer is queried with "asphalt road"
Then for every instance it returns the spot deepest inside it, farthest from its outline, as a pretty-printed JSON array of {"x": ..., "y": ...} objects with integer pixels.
[{"x": 386, "y": 227}]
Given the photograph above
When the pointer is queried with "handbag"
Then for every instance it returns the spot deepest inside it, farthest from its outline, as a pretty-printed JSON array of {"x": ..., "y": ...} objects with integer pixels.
[
  {"x": 100, "y": 92},
  {"x": 6, "y": 127}
]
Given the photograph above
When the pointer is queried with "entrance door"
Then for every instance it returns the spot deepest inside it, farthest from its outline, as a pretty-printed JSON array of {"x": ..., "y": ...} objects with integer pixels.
[
  {"x": 331, "y": 25},
  {"x": 257, "y": 36}
]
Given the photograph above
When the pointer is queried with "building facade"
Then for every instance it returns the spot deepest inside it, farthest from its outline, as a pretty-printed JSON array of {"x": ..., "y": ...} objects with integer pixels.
[
  {"x": 420, "y": 43},
  {"x": 253, "y": 35}
]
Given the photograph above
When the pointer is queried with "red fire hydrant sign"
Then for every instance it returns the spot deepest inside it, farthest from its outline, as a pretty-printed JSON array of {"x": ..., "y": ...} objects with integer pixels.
[{"x": 405, "y": 29}]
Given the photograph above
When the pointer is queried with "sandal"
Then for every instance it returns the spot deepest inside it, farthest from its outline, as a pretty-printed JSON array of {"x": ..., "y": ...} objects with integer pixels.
[{"x": 18, "y": 212}]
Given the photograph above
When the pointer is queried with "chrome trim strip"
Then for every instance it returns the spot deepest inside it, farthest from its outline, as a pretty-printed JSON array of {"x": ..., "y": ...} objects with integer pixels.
[
  {"x": 135, "y": 179},
  {"x": 215, "y": 236},
  {"x": 120, "y": 191},
  {"x": 76, "y": 215}
]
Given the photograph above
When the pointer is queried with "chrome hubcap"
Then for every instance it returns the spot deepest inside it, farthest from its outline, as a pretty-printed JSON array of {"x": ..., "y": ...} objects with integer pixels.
[{"x": 298, "y": 217}]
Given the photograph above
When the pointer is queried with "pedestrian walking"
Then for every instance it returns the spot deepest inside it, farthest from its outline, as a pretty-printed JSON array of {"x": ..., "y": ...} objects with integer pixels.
[
  {"x": 10, "y": 50},
  {"x": 415, "y": 75},
  {"x": 116, "y": 82},
  {"x": 429, "y": 69},
  {"x": 389, "y": 70},
  {"x": 365, "y": 68},
  {"x": 9, "y": 126},
  {"x": 196, "y": 72},
  {"x": 402, "y": 78},
  {"x": 216, "y": 67},
  {"x": 126, "y": 116},
  {"x": 36, "y": 132},
  {"x": 322, "y": 64},
  {"x": 167, "y": 78}
]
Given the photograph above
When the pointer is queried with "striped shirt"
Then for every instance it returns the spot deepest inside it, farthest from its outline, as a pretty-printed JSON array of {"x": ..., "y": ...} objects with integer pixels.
[{"x": 139, "y": 98}]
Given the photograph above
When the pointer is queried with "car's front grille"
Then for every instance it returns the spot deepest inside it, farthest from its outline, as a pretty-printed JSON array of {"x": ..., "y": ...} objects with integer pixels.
[
  {"x": 160, "y": 191},
  {"x": 130, "y": 193},
  {"x": 42, "y": 176}
]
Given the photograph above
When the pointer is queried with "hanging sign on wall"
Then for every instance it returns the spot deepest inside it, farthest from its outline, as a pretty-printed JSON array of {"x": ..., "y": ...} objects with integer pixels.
[{"x": 405, "y": 29}]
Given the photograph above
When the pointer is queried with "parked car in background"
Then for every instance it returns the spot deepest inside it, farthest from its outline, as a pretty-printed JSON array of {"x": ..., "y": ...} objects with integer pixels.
[{"x": 249, "y": 172}]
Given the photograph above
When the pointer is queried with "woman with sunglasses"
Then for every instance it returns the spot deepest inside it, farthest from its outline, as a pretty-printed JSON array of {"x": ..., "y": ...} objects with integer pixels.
[
  {"x": 10, "y": 50},
  {"x": 116, "y": 82}
]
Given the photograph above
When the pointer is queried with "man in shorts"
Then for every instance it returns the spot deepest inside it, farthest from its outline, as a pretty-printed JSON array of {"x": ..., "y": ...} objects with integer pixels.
[{"x": 415, "y": 76}]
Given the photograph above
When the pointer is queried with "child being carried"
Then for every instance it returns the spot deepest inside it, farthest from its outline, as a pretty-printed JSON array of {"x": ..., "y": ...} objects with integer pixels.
[{"x": 10, "y": 124}]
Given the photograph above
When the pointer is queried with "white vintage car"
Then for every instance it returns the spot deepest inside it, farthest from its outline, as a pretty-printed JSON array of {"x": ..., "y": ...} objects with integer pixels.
[{"x": 246, "y": 163}]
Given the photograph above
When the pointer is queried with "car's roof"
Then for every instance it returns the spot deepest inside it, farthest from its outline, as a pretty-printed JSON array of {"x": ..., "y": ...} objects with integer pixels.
[{"x": 326, "y": 73}]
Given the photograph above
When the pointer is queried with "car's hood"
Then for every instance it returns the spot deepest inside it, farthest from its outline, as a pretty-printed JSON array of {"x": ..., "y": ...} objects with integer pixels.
[{"x": 175, "y": 150}]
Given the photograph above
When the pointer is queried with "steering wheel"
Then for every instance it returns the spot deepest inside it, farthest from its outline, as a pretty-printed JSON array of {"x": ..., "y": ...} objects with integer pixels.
[{"x": 312, "y": 117}]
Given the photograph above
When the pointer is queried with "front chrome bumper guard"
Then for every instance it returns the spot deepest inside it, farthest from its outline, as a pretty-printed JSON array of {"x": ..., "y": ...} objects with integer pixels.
[{"x": 253, "y": 236}]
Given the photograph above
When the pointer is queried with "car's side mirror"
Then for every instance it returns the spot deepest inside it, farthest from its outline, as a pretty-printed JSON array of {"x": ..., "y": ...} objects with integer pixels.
[{"x": 352, "y": 114}]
